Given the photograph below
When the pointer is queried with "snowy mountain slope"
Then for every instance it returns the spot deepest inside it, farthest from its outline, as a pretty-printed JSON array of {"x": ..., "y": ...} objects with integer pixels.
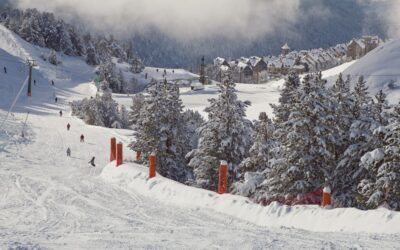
[
  {"x": 14, "y": 52},
  {"x": 49, "y": 201},
  {"x": 380, "y": 67}
]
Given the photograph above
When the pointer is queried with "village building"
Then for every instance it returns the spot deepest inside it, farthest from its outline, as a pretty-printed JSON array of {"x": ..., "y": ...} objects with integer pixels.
[
  {"x": 285, "y": 49},
  {"x": 358, "y": 48},
  {"x": 260, "y": 69},
  {"x": 219, "y": 61}
]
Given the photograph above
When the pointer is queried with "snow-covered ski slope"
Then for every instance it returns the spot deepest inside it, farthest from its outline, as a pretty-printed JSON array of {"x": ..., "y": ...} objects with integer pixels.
[
  {"x": 49, "y": 201},
  {"x": 380, "y": 69}
]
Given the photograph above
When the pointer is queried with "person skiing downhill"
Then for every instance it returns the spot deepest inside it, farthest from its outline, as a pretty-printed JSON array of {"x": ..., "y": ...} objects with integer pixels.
[
  {"x": 68, "y": 152},
  {"x": 82, "y": 138},
  {"x": 60, "y": 113},
  {"x": 92, "y": 162},
  {"x": 68, "y": 126},
  {"x": 5, "y": 70}
]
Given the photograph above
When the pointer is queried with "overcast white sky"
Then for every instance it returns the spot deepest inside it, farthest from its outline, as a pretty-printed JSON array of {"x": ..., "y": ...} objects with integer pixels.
[{"x": 196, "y": 18}]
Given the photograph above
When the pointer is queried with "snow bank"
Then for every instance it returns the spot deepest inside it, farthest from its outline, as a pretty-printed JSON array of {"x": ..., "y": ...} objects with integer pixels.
[{"x": 313, "y": 218}]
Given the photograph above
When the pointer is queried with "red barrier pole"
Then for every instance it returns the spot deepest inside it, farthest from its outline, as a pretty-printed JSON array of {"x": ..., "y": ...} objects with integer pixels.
[
  {"x": 223, "y": 178},
  {"x": 326, "y": 197},
  {"x": 138, "y": 155},
  {"x": 113, "y": 149},
  {"x": 152, "y": 165},
  {"x": 119, "y": 154}
]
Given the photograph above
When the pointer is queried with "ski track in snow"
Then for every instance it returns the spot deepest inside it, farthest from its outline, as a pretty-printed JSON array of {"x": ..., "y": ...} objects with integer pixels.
[{"x": 50, "y": 201}]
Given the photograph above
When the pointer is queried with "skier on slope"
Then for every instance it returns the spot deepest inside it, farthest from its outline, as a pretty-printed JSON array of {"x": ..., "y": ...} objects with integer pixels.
[
  {"x": 56, "y": 99},
  {"x": 68, "y": 126},
  {"x": 82, "y": 138},
  {"x": 92, "y": 162},
  {"x": 60, "y": 113},
  {"x": 5, "y": 70},
  {"x": 68, "y": 152}
]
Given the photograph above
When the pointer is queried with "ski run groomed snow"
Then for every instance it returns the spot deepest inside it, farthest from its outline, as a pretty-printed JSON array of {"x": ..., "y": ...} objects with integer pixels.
[{"x": 51, "y": 201}]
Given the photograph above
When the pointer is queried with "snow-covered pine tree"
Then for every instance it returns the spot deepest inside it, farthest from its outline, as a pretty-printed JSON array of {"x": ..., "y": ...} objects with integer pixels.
[
  {"x": 138, "y": 101},
  {"x": 122, "y": 82},
  {"x": 252, "y": 170},
  {"x": 394, "y": 116},
  {"x": 307, "y": 142},
  {"x": 107, "y": 73},
  {"x": 124, "y": 115},
  {"x": 225, "y": 136},
  {"x": 380, "y": 109},
  {"x": 343, "y": 102},
  {"x": 193, "y": 121},
  {"x": 137, "y": 65},
  {"x": 348, "y": 172},
  {"x": 160, "y": 128},
  {"x": 99, "y": 111},
  {"x": 381, "y": 184},
  {"x": 52, "y": 58},
  {"x": 287, "y": 98},
  {"x": 175, "y": 137}
]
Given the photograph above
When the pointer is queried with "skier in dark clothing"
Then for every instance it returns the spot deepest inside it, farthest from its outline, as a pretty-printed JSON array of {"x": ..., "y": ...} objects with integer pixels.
[
  {"x": 68, "y": 126},
  {"x": 5, "y": 70},
  {"x": 34, "y": 82},
  {"x": 82, "y": 138},
  {"x": 68, "y": 152},
  {"x": 52, "y": 82},
  {"x": 60, "y": 113},
  {"x": 92, "y": 162},
  {"x": 56, "y": 99}
]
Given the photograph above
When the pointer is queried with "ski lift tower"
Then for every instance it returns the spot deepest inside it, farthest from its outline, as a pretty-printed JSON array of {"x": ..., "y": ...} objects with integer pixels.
[{"x": 203, "y": 78}]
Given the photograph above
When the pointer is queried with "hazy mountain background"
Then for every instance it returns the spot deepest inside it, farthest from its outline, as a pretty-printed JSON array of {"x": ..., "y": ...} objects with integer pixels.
[{"x": 177, "y": 33}]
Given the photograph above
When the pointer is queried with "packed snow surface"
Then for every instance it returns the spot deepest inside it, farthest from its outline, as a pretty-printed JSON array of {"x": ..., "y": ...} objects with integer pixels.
[{"x": 51, "y": 201}]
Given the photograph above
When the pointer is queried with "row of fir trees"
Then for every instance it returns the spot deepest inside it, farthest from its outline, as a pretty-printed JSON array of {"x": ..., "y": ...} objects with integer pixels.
[{"x": 337, "y": 136}]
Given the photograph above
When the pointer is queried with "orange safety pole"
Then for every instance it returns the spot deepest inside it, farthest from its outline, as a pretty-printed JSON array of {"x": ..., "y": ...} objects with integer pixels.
[
  {"x": 326, "y": 197},
  {"x": 223, "y": 178},
  {"x": 152, "y": 165},
  {"x": 119, "y": 154},
  {"x": 138, "y": 155},
  {"x": 113, "y": 150}
]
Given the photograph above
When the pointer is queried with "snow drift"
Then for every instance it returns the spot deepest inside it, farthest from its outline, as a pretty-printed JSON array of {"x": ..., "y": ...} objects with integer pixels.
[{"x": 133, "y": 177}]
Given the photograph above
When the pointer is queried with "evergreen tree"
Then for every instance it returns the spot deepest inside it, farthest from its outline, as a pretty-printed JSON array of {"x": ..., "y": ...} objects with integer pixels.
[
  {"x": 225, "y": 136},
  {"x": 124, "y": 114},
  {"x": 307, "y": 142},
  {"x": 348, "y": 172},
  {"x": 137, "y": 104},
  {"x": 251, "y": 170},
  {"x": 52, "y": 58},
  {"x": 287, "y": 99},
  {"x": 381, "y": 184},
  {"x": 99, "y": 111},
  {"x": 193, "y": 121},
  {"x": 160, "y": 128}
]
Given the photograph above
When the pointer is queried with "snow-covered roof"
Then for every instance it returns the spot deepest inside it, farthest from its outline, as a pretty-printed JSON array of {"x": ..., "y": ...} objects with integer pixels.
[
  {"x": 243, "y": 59},
  {"x": 243, "y": 65},
  {"x": 286, "y": 47},
  {"x": 219, "y": 61},
  {"x": 254, "y": 60},
  {"x": 224, "y": 68}
]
